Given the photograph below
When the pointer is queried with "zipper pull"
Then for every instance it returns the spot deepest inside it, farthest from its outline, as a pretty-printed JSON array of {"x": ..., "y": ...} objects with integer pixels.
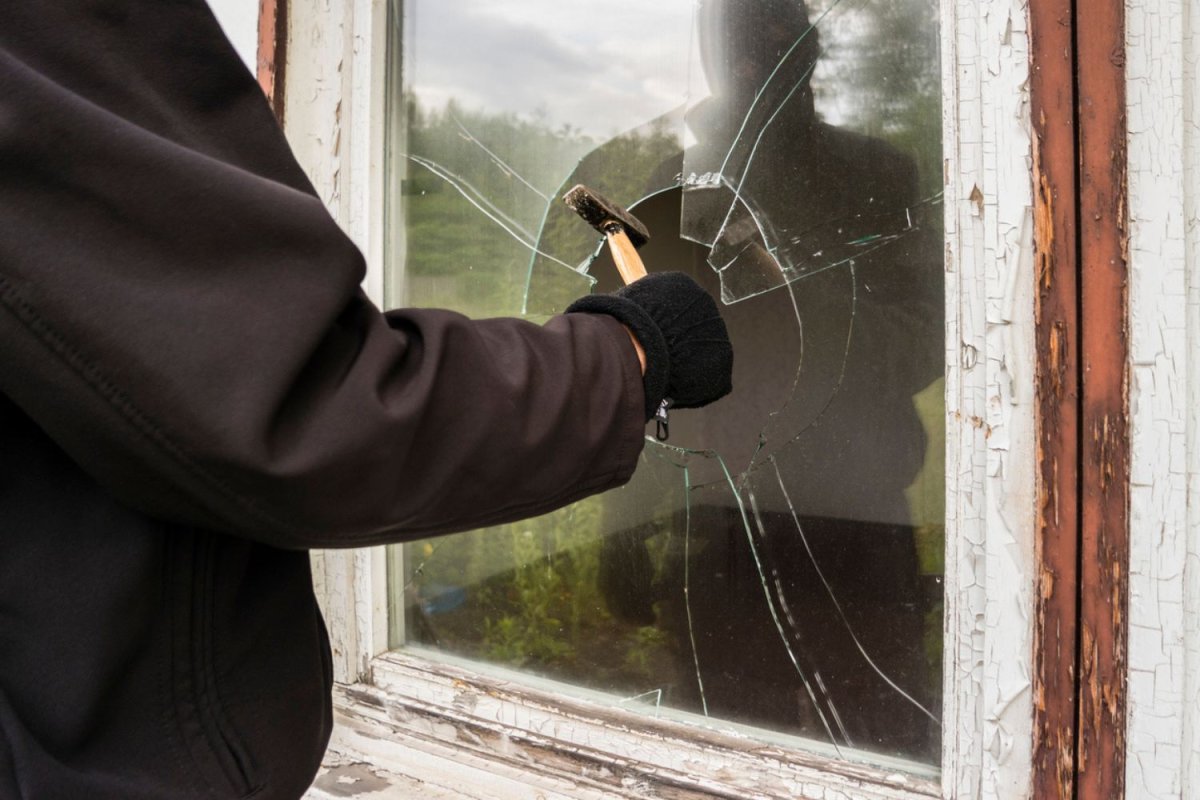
[{"x": 662, "y": 424}]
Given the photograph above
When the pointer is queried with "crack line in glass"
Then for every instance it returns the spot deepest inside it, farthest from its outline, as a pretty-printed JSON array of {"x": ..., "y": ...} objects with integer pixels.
[
  {"x": 687, "y": 599},
  {"x": 821, "y": 683},
  {"x": 838, "y": 605},
  {"x": 763, "y": 89},
  {"x": 657, "y": 694},
  {"x": 737, "y": 192},
  {"x": 419, "y": 570},
  {"x": 772, "y": 416},
  {"x": 524, "y": 237},
  {"x": 499, "y": 162},
  {"x": 796, "y": 633},
  {"x": 871, "y": 241},
  {"x": 783, "y": 638}
]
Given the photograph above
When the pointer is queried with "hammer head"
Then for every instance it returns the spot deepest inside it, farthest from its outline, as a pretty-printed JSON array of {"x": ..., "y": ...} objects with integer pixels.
[{"x": 605, "y": 216}]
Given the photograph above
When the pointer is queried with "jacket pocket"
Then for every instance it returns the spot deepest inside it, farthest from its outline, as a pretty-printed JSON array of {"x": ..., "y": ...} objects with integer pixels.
[{"x": 222, "y": 759}]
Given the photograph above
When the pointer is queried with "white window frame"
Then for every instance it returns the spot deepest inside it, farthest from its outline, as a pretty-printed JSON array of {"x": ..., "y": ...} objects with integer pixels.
[{"x": 505, "y": 731}]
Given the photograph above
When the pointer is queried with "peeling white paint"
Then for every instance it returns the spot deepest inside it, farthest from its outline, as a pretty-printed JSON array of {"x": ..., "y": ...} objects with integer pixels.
[
  {"x": 989, "y": 401},
  {"x": 334, "y": 85},
  {"x": 1162, "y": 52},
  {"x": 554, "y": 733}
]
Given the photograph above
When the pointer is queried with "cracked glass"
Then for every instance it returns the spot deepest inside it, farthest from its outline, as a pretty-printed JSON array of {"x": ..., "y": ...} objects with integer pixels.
[{"x": 777, "y": 564}]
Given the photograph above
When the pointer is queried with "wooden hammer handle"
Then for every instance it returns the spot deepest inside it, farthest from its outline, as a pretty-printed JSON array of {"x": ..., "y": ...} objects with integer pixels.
[{"x": 625, "y": 255}]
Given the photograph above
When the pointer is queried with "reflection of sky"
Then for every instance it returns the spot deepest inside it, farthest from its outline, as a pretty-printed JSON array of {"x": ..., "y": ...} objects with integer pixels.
[{"x": 600, "y": 68}]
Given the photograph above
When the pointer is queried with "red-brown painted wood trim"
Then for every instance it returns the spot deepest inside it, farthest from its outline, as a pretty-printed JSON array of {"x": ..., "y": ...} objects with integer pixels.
[
  {"x": 1078, "y": 105},
  {"x": 1052, "y": 97},
  {"x": 272, "y": 51},
  {"x": 1104, "y": 534}
]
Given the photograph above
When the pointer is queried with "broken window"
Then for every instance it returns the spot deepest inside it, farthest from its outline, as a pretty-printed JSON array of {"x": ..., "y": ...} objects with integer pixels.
[{"x": 777, "y": 564}]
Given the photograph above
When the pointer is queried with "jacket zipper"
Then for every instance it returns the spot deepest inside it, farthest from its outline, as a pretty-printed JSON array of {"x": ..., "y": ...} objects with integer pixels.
[{"x": 662, "y": 423}]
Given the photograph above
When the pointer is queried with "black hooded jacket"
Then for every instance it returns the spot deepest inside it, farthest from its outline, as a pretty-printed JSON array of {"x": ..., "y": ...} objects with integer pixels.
[{"x": 194, "y": 391}]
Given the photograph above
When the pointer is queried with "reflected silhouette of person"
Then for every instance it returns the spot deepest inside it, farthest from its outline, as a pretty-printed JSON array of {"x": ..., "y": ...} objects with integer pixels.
[{"x": 804, "y": 610}]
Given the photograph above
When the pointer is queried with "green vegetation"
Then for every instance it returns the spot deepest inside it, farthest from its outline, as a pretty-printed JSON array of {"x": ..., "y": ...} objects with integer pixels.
[
  {"x": 476, "y": 190},
  {"x": 532, "y": 601},
  {"x": 482, "y": 193},
  {"x": 885, "y": 61}
]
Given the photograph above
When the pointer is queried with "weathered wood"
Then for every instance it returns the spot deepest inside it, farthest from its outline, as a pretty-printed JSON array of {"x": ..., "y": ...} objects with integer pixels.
[
  {"x": 581, "y": 736},
  {"x": 1104, "y": 445},
  {"x": 379, "y": 760},
  {"x": 334, "y": 121},
  {"x": 1078, "y": 95},
  {"x": 990, "y": 457},
  {"x": 272, "y": 51},
  {"x": 1162, "y": 42},
  {"x": 1055, "y": 244}
]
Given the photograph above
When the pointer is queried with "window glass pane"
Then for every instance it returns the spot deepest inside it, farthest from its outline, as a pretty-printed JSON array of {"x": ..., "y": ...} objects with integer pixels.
[{"x": 778, "y": 562}]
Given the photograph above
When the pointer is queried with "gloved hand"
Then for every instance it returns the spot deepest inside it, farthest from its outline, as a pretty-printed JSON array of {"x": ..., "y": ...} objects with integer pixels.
[{"x": 689, "y": 360}]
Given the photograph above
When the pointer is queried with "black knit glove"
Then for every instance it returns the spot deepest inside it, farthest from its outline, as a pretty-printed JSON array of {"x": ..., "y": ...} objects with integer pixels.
[{"x": 689, "y": 360}]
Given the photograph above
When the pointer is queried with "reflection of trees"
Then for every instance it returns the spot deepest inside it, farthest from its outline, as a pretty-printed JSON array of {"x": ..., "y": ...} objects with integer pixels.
[
  {"x": 456, "y": 256},
  {"x": 526, "y": 595},
  {"x": 881, "y": 59},
  {"x": 533, "y": 150},
  {"x": 474, "y": 256}
]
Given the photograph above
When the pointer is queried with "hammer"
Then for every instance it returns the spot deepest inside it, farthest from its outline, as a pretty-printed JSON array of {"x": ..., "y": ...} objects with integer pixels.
[{"x": 625, "y": 233}]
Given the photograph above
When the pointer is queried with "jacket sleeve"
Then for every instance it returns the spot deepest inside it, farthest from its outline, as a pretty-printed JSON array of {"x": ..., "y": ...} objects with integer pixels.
[{"x": 179, "y": 312}]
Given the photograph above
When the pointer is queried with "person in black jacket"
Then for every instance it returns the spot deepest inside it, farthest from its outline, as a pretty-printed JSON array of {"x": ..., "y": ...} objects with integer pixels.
[{"x": 194, "y": 391}]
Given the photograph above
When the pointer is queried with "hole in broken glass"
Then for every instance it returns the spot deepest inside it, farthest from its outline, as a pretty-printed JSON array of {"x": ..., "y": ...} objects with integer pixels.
[{"x": 778, "y": 564}]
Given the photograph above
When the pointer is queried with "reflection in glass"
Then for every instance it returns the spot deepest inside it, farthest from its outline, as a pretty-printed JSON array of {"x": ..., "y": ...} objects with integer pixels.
[{"x": 778, "y": 562}]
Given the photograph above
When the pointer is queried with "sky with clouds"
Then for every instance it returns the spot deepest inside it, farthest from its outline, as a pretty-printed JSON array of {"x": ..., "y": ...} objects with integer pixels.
[{"x": 600, "y": 68}]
